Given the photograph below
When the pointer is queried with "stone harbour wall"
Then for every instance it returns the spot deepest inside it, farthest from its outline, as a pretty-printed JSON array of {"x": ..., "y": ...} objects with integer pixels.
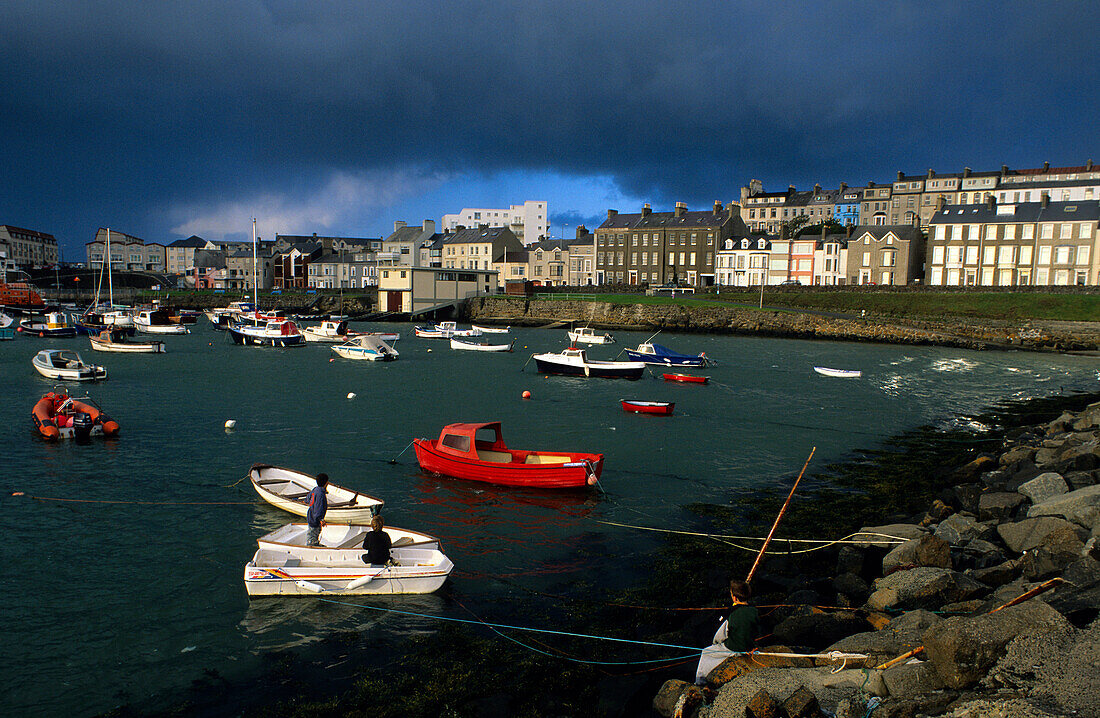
[{"x": 725, "y": 319}]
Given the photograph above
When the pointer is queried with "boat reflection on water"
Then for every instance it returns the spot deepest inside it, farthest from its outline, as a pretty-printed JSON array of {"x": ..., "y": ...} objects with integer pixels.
[
  {"x": 477, "y": 519},
  {"x": 276, "y": 622}
]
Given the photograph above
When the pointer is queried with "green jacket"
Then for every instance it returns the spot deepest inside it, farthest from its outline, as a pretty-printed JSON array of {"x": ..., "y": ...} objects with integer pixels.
[{"x": 742, "y": 628}]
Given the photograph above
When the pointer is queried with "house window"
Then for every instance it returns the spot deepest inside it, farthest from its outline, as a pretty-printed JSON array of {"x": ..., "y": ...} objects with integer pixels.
[
  {"x": 1065, "y": 231},
  {"x": 1025, "y": 255},
  {"x": 1084, "y": 230},
  {"x": 972, "y": 255},
  {"x": 937, "y": 255},
  {"x": 1061, "y": 255},
  {"x": 1083, "y": 254},
  {"x": 1028, "y": 232},
  {"x": 1044, "y": 257},
  {"x": 1047, "y": 231},
  {"x": 1006, "y": 253},
  {"x": 889, "y": 258}
]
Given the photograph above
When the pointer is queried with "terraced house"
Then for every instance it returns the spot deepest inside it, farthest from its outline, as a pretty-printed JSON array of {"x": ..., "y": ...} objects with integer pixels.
[
  {"x": 1014, "y": 244},
  {"x": 662, "y": 247},
  {"x": 26, "y": 247}
]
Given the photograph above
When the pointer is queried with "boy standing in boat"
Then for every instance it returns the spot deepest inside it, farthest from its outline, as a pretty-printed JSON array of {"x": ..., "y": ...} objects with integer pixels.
[
  {"x": 735, "y": 636},
  {"x": 318, "y": 506}
]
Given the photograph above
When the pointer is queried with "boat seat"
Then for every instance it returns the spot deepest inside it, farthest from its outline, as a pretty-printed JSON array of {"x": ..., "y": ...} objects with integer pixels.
[
  {"x": 341, "y": 504},
  {"x": 353, "y": 541},
  {"x": 266, "y": 482},
  {"x": 546, "y": 459},
  {"x": 496, "y": 456},
  {"x": 295, "y": 497}
]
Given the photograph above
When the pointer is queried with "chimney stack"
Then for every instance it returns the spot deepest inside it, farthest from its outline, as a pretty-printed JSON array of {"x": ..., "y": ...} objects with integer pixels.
[
  {"x": 901, "y": 175},
  {"x": 991, "y": 202},
  {"x": 1088, "y": 166},
  {"x": 1004, "y": 170},
  {"x": 398, "y": 225},
  {"x": 483, "y": 227},
  {"x": 429, "y": 225},
  {"x": 717, "y": 207},
  {"x": 931, "y": 173},
  {"x": 646, "y": 210},
  {"x": 1044, "y": 201},
  {"x": 817, "y": 188},
  {"x": 612, "y": 213},
  {"x": 843, "y": 186},
  {"x": 681, "y": 209},
  {"x": 790, "y": 188},
  {"x": 1046, "y": 167},
  {"x": 582, "y": 231},
  {"x": 870, "y": 185},
  {"x": 941, "y": 202},
  {"x": 966, "y": 171}
]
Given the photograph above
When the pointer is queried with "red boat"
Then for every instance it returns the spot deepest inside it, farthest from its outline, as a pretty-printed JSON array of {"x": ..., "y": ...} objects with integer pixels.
[
  {"x": 20, "y": 294},
  {"x": 648, "y": 407},
  {"x": 477, "y": 452},
  {"x": 686, "y": 378}
]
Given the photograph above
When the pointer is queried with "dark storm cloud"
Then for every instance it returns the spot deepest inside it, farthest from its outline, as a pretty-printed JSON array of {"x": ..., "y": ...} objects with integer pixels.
[{"x": 120, "y": 108}]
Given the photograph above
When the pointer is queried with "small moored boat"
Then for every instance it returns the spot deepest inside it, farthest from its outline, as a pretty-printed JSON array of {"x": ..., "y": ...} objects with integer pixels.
[
  {"x": 686, "y": 378},
  {"x": 476, "y": 452},
  {"x": 157, "y": 321},
  {"x": 328, "y": 331},
  {"x": 575, "y": 362},
  {"x": 289, "y": 490},
  {"x": 369, "y": 348},
  {"x": 66, "y": 365},
  {"x": 651, "y": 353},
  {"x": 839, "y": 373},
  {"x": 491, "y": 330},
  {"x": 57, "y": 416},
  {"x": 115, "y": 340},
  {"x": 481, "y": 346},
  {"x": 273, "y": 334},
  {"x": 279, "y": 569},
  {"x": 445, "y": 330},
  {"x": 7, "y": 326},
  {"x": 54, "y": 325},
  {"x": 663, "y": 408},
  {"x": 588, "y": 335}
]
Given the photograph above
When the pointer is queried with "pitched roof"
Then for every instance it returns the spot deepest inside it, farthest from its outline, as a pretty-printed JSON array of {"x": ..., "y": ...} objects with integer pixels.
[
  {"x": 192, "y": 241},
  {"x": 666, "y": 220},
  {"x": 471, "y": 236},
  {"x": 1013, "y": 213}
]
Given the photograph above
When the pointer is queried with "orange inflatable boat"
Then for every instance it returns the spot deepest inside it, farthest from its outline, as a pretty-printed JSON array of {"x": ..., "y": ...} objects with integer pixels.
[{"x": 57, "y": 416}]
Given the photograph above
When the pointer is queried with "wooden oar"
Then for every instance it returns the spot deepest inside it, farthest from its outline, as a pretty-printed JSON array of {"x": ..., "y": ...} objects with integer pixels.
[{"x": 782, "y": 512}]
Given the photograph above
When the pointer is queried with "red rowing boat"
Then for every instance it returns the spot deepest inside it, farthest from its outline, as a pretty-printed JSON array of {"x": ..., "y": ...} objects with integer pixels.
[
  {"x": 688, "y": 378},
  {"x": 663, "y": 408},
  {"x": 477, "y": 452}
]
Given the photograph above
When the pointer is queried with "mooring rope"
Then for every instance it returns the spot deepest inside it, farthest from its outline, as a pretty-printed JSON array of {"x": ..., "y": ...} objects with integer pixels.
[
  {"x": 833, "y": 655},
  {"x": 144, "y": 503},
  {"x": 822, "y": 543}
]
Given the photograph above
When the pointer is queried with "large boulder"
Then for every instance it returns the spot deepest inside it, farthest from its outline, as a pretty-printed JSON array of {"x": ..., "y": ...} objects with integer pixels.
[
  {"x": 922, "y": 587},
  {"x": 665, "y": 702},
  {"x": 1017, "y": 453},
  {"x": 997, "y": 575},
  {"x": 924, "y": 551},
  {"x": 885, "y": 536},
  {"x": 1078, "y": 599},
  {"x": 830, "y": 688},
  {"x": 1081, "y": 506},
  {"x": 966, "y": 497},
  {"x": 901, "y": 635},
  {"x": 1043, "y": 487},
  {"x": 998, "y": 506},
  {"x": 818, "y": 629},
  {"x": 906, "y": 680},
  {"x": 1027, "y": 534},
  {"x": 959, "y": 529},
  {"x": 962, "y": 649}
]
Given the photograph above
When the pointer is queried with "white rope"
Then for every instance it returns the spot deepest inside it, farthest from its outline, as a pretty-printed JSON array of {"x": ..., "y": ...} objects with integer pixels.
[{"x": 821, "y": 543}]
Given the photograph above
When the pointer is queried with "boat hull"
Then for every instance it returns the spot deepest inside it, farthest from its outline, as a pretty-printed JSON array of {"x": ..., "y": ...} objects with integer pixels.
[
  {"x": 88, "y": 372},
  {"x": 569, "y": 475},
  {"x": 267, "y": 479},
  {"x": 458, "y": 344},
  {"x": 249, "y": 339},
  {"x": 839, "y": 373},
  {"x": 416, "y": 571},
  {"x": 686, "y": 378},
  {"x": 664, "y": 360},
  {"x": 127, "y": 347},
  {"x": 162, "y": 328},
  {"x": 599, "y": 371},
  {"x": 657, "y": 408}
]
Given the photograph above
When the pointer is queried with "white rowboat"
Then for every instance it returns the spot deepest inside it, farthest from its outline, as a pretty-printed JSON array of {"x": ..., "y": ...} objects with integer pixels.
[
  {"x": 66, "y": 365},
  {"x": 588, "y": 335},
  {"x": 413, "y": 570},
  {"x": 840, "y": 373},
  {"x": 339, "y": 542},
  {"x": 490, "y": 330},
  {"x": 479, "y": 347},
  {"x": 289, "y": 490},
  {"x": 116, "y": 341},
  {"x": 369, "y": 348}
]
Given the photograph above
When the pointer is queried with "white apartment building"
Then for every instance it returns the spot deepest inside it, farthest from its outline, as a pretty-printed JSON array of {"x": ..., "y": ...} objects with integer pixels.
[{"x": 528, "y": 221}]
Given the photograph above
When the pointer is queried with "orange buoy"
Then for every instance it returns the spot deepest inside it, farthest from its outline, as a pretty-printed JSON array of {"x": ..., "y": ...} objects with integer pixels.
[{"x": 526, "y": 394}]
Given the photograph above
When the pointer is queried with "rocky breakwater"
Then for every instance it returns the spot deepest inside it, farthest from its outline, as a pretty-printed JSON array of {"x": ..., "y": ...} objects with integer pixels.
[
  {"x": 717, "y": 317},
  {"x": 1021, "y": 522}
]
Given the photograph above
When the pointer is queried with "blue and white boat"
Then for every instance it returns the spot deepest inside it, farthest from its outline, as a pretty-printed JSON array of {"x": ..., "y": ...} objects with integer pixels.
[
  {"x": 273, "y": 334},
  {"x": 366, "y": 347},
  {"x": 651, "y": 353}
]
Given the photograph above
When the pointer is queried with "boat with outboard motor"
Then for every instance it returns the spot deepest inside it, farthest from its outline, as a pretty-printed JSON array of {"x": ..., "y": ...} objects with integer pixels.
[
  {"x": 476, "y": 452},
  {"x": 366, "y": 347},
  {"x": 289, "y": 490},
  {"x": 588, "y": 335},
  {"x": 115, "y": 340},
  {"x": 7, "y": 326},
  {"x": 652, "y": 353},
  {"x": 329, "y": 331},
  {"x": 575, "y": 362},
  {"x": 59, "y": 416},
  {"x": 275, "y": 334},
  {"x": 66, "y": 365}
]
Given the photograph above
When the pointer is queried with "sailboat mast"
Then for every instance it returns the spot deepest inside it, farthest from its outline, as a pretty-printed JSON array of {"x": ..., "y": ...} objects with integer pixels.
[
  {"x": 110, "y": 282},
  {"x": 255, "y": 282}
]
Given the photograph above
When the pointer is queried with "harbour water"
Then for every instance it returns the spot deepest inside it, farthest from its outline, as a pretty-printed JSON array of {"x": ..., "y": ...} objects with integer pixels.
[{"x": 130, "y": 589}]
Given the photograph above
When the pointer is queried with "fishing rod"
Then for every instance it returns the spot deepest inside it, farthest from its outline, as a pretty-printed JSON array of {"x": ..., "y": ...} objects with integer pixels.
[{"x": 782, "y": 513}]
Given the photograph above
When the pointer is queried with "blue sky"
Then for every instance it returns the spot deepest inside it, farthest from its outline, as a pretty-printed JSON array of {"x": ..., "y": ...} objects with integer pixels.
[{"x": 169, "y": 119}]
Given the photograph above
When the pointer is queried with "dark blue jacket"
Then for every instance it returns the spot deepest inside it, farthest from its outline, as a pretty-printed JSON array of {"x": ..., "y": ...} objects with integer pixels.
[{"x": 318, "y": 505}]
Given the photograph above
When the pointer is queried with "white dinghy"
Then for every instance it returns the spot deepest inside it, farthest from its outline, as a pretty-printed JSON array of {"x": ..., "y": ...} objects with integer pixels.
[
  {"x": 66, "y": 365},
  {"x": 839, "y": 373},
  {"x": 339, "y": 541},
  {"x": 481, "y": 346},
  {"x": 289, "y": 490},
  {"x": 272, "y": 572},
  {"x": 369, "y": 348},
  {"x": 491, "y": 330}
]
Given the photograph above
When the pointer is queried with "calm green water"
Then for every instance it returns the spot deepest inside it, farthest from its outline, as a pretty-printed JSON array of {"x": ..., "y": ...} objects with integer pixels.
[{"x": 106, "y": 604}]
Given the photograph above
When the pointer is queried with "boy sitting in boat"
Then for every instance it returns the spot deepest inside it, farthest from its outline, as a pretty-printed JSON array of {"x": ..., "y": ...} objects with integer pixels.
[{"x": 377, "y": 544}]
